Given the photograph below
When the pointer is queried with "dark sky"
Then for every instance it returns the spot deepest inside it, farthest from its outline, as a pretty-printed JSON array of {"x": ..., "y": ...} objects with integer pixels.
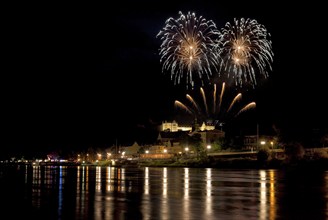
[{"x": 89, "y": 74}]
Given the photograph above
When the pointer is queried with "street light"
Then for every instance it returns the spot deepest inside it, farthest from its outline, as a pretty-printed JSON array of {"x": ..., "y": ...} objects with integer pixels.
[{"x": 186, "y": 149}]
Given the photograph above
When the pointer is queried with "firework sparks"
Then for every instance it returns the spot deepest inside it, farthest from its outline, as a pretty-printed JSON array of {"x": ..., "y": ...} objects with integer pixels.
[
  {"x": 188, "y": 47},
  {"x": 245, "y": 50},
  {"x": 218, "y": 115}
]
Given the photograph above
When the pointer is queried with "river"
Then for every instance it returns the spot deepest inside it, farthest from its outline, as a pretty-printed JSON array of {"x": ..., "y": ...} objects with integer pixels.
[{"x": 91, "y": 192}]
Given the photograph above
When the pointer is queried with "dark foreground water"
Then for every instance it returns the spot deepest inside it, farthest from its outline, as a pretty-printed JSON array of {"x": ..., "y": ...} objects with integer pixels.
[{"x": 82, "y": 192}]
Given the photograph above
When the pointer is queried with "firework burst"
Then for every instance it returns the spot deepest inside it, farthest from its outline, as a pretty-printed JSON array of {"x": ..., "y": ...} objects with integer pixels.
[
  {"x": 222, "y": 109},
  {"x": 188, "y": 48},
  {"x": 245, "y": 51}
]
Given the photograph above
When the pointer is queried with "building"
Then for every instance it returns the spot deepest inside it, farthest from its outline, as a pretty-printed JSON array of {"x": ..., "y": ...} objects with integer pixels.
[
  {"x": 171, "y": 134},
  {"x": 254, "y": 142},
  {"x": 174, "y": 127},
  {"x": 211, "y": 136},
  {"x": 206, "y": 127},
  {"x": 170, "y": 139},
  {"x": 132, "y": 151}
]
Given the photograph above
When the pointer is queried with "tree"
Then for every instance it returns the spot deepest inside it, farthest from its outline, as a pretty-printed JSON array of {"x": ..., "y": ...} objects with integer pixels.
[
  {"x": 263, "y": 155},
  {"x": 196, "y": 141},
  {"x": 294, "y": 151},
  {"x": 217, "y": 145},
  {"x": 324, "y": 140}
]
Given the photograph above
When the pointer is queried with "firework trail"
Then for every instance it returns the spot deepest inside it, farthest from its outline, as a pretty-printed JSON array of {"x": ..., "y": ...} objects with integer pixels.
[
  {"x": 247, "y": 107},
  {"x": 188, "y": 48},
  {"x": 237, "y": 98},
  {"x": 245, "y": 50},
  {"x": 183, "y": 106},
  {"x": 214, "y": 97},
  {"x": 221, "y": 96},
  {"x": 218, "y": 115},
  {"x": 193, "y": 102},
  {"x": 204, "y": 99}
]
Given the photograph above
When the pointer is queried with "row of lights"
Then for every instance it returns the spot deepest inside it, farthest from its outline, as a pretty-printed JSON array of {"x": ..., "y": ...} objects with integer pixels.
[
  {"x": 264, "y": 143},
  {"x": 123, "y": 153}
]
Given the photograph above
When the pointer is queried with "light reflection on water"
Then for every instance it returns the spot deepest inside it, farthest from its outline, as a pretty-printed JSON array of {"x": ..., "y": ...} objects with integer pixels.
[
  {"x": 267, "y": 195},
  {"x": 186, "y": 193},
  {"x": 326, "y": 192},
  {"x": 85, "y": 192}
]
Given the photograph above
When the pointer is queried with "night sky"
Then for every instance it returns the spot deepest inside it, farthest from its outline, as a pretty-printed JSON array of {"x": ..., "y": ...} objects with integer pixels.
[{"x": 81, "y": 75}]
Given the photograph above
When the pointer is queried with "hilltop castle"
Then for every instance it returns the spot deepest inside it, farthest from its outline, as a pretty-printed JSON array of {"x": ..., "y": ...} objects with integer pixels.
[{"x": 174, "y": 127}]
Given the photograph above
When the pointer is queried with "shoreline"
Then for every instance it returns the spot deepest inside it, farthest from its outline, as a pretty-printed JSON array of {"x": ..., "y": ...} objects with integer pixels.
[{"x": 223, "y": 163}]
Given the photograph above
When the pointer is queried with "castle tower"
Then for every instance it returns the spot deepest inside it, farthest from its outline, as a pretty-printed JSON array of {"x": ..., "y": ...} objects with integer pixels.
[{"x": 196, "y": 125}]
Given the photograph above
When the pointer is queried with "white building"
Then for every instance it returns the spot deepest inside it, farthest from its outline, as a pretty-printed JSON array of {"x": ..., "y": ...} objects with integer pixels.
[{"x": 174, "y": 127}]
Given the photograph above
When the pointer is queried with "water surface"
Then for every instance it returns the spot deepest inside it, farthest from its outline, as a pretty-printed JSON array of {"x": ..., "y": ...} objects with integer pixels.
[{"x": 90, "y": 192}]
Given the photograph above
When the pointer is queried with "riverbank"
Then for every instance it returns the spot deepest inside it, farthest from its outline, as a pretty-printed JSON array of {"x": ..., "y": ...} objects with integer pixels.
[
  {"x": 224, "y": 163},
  {"x": 240, "y": 163}
]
